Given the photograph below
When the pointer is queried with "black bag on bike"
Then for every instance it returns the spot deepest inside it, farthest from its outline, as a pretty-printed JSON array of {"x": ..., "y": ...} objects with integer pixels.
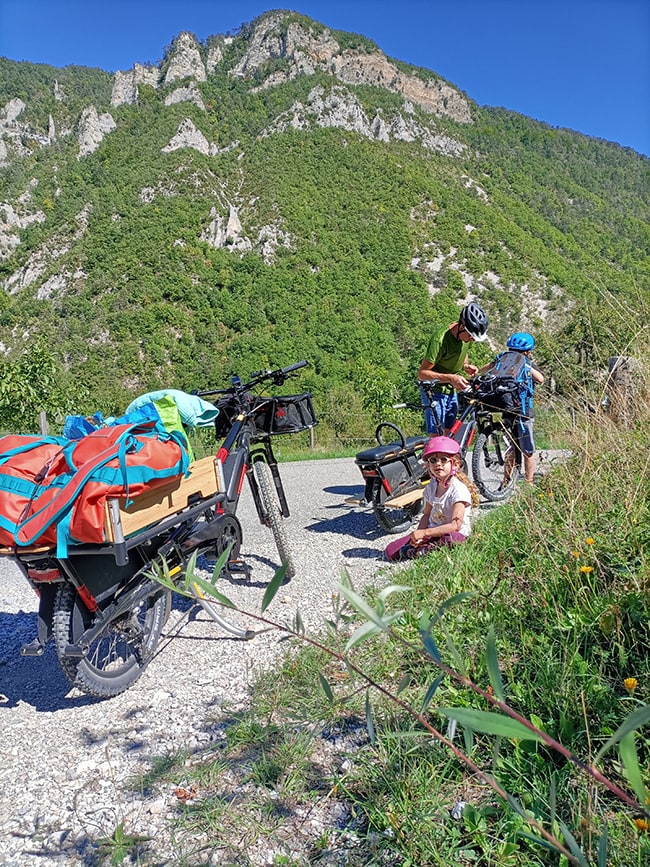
[
  {"x": 508, "y": 386},
  {"x": 285, "y": 414}
]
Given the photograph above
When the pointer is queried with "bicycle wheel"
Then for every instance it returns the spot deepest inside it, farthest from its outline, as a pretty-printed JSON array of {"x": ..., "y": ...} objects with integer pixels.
[
  {"x": 120, "y": 653},
  {"x": 393, "y": 520},
  {"x": 273, "y": 515},
  {"x": 488, "y": 467}
]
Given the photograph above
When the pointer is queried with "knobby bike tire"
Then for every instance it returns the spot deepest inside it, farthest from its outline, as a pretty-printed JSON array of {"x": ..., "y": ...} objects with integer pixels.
[
  {"x": 488, "y": 467},
  {"x": 273, "y": 515},
  {"x": 389, "y": 519},
  {"x": 120, "y": 653}
]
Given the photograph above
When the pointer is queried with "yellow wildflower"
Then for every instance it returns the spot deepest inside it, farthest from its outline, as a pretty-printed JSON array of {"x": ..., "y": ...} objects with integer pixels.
[
  {"x": 641, "y": 825},
  {"x": 586, "y": 569},
  {"x": 589, "y": 540},
  {"x": 575, "y": 554},
  {"x": 630, "y": 684}
]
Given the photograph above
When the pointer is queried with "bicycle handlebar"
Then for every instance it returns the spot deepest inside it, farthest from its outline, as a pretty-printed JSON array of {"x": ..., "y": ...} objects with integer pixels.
[{"x": 276, "y": 376}]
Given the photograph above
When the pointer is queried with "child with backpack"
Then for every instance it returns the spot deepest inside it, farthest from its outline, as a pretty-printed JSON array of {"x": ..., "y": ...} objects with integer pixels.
[
  {"x": 508, "y": 386},
  {"x": 448, "y": 501}
]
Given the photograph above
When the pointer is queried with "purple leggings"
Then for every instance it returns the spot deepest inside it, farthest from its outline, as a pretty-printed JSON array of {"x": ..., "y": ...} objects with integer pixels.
[{"x": 401, "y": 549}]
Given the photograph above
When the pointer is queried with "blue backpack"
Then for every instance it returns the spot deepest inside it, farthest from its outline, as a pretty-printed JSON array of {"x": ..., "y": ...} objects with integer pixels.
[{"x": 508, "y": 386}]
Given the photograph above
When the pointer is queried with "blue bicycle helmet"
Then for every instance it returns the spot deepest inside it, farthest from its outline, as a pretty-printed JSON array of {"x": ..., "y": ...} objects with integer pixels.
[{"x": 522, "y": 341}]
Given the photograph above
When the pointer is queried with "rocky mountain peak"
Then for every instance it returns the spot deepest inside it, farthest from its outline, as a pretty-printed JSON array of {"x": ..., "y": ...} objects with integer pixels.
[
  {"x": 184, "y": 60},
  {"x": 309, "y": 47}
]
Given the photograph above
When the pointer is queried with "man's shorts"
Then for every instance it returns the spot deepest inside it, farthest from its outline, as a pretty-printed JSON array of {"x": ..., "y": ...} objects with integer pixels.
[
  {"x": 522, "y": 432},
  {"x": 440, "y": 411}
]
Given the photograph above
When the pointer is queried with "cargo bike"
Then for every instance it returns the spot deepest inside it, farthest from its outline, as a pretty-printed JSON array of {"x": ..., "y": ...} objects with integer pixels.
[{"x": 101, "y": 604}]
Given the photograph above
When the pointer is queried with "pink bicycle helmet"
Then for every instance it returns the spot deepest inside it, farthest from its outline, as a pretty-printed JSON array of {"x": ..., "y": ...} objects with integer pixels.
[{"x": 441, "y": 446}]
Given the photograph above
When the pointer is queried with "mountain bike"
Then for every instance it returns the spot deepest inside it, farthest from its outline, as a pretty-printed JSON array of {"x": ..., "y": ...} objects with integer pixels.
[
  {"x": 249, "y": 422},
  {"x": 483, "y": 430}
]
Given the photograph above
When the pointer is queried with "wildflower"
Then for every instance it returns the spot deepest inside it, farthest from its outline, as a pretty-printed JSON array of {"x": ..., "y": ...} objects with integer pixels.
[
  {"x": 586, "y": 569},
  {"x": 630, "y": 684},
  {"x": 641, "y": 825},
  {"x": 590, "y": 540},
  {"x": 575, "y": 554}
]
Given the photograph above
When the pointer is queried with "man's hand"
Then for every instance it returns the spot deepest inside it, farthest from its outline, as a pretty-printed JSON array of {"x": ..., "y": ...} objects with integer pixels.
[
  {"x": 471, "y": 369},
  {"x": 458, "y": 382}
]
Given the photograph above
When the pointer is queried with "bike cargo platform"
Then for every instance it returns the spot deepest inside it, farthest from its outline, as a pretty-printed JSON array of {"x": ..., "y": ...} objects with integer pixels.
[{"x": 154, "y": 506}]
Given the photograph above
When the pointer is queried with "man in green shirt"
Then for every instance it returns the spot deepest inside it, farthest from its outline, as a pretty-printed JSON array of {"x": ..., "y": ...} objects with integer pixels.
[{"x": 446, "y": 362}]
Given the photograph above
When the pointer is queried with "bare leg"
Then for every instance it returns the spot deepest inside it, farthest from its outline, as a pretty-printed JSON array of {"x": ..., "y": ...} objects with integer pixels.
[
  {"x": 508, "y": 465},
  {"x": 529, "y": 467}
]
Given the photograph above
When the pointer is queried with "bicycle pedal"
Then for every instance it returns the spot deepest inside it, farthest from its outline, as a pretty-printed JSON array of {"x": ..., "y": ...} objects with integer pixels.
[{"x": 240, "y": 567}]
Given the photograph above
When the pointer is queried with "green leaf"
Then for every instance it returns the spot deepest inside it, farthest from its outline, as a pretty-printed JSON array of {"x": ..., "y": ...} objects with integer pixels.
[
  {"x": 221, "y": 563},
  {"x": 431, "y": 692},
  {"x": 572, "y": 843},
  {"x": 430, "y": 645},
  {"x": 453, "y": 650},
  {"x": 366, "y": 630},
  {"x": 272, "y": 589},
  {"x": 369, "y": 723},
  {"x": 602, "y": 847},
  {"x": 404, "y": 683},
  {"x": 631, "y": 723},
  {"x": 552, "y": 800},
  {"x": 362, "y": 607},
  {"x": 327, "y": 689},
  {"x": 393, "y": 588},
  {"x": 200, "y": 587},
  {"x": 490, "y": 723},
  {"x": 539, "y": 841},
  {"x": 468, "y": 737},
  {"x": 494, "y": 672},
  {"x": 627, "y": 751},
  {"x": 459, "y": 597}
]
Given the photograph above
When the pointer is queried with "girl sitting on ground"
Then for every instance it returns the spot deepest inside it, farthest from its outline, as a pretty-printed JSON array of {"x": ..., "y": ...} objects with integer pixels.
[{"x": 448, "y": 501}]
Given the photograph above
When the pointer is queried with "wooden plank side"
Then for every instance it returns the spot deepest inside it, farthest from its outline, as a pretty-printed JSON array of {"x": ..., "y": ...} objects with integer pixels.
[
  {"x": 404, "y": 499},
  {"x": 159, "y": 503}
]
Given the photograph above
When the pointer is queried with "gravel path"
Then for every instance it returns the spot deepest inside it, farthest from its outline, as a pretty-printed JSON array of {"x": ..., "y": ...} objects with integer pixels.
[{"x": 66, "y": 758}]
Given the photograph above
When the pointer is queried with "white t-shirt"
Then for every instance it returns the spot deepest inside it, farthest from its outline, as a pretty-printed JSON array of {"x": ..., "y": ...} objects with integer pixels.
[{"x": 442, "y": 507}]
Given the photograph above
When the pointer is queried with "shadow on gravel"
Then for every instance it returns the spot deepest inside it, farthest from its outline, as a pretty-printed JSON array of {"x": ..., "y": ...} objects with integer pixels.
[
  {"x": 35, "y": 680},
  {"x": 358, "y": 525},
  {"x": 364, "y": 553},
  {"x": 39, "y": 680},
  {"x": 345, "y": 490}
]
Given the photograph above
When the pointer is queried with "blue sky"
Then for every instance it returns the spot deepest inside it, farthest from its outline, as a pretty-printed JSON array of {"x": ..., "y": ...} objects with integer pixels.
[{"x": 581, "y": 64}]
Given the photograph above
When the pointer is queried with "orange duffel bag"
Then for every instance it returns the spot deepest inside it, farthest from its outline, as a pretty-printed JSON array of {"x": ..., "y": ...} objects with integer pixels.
[{"x": 54, "y": 490}]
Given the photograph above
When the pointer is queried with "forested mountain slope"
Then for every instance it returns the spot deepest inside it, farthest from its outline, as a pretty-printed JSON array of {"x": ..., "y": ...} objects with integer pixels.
[{"x": 288, "y": 191}]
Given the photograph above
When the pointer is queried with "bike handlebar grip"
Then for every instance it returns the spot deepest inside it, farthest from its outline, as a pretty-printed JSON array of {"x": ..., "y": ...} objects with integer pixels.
[{"x": 295, "y": 366}]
